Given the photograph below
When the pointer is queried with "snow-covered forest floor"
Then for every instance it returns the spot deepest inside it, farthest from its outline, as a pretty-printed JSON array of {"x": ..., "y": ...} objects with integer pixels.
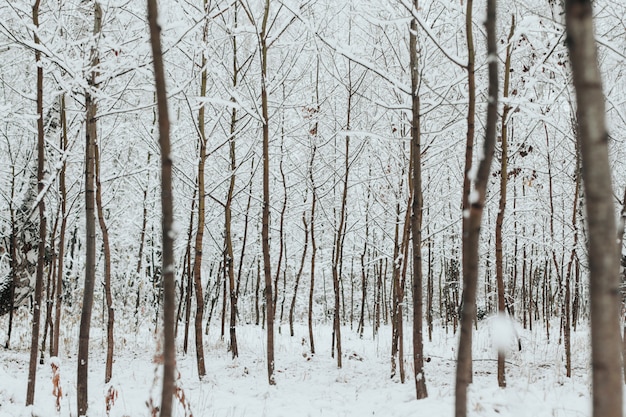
[{"x": 312, "y": 386}]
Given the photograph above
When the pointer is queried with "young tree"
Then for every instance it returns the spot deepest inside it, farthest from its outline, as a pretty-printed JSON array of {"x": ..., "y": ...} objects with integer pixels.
[
  {"x": 416, "y": 210},
  {"x": 502, "y": 203},
  {"x": 167, "y": 218},
  {"x": 197, "y": 263},
  {"x": 469, "y": 144},
  {"x": 265, "y": 227},
  {"x": 228, "y": 240},
  {"x": 32, "y": 368},
  {"x": 471, "y": 237},
  {"x": 82, "y": 394},
  {"x": 603, "y": 260},
  {"x": 108, "y": 367},
  {"x": 60, "y": 268}
]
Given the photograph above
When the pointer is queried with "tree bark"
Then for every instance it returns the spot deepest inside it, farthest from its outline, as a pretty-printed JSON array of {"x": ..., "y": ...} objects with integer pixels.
[
  {"x": 82, "y": 394},
  {"x": 197, "y": 265},
  {"x": 227, "y": 209},
  {"x": 472, "y": 233},
  {"x": 60, "y": 268},
  {"x": 108, "y": 369},
  {"x": 265, "y": 229},
  {"x": 469, "y": 150},
  {"x": 502, "y": 203},
  {"x": 167, "y": 218},
  {"x": 32, "y": 367},
  {"x": 603, "y": 261},
  {"x": 416, "y": 211}
]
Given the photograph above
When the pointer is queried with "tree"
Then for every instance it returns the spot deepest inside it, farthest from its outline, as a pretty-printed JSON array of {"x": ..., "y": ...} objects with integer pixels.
[
  {"x": 197, "y": 263},
  {"x": 265, "y": 228},
  {"x": 228, "y": 240},
  {"x": 32, "y": 367},
  {"x": 469, "y": 144},
  {"x": 167, "y": 218},
  {"x": 603, "y": 261},
  {"x": 502, "y": 203},
  {"x": 471, "y": 236},
  {"x": 82, "y": 393},
  {"x": 416, "y": 211},
  {"x": 108, "y": 368}
]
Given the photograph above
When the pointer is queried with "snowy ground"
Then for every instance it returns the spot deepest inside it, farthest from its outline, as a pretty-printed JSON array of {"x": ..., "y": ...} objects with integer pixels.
[{"x": 312, "y": 386}]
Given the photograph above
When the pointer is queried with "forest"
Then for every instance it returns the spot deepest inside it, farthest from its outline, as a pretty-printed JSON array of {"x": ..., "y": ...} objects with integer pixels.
[{"x": 312, "y": 207}]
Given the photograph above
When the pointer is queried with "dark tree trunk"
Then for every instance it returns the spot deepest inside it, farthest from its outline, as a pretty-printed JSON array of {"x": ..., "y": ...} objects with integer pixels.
[
  {"x": 167, "y": 218},
  {"x": 416, "y": 212},
  {"x": 32, "y": 368},
  {"x": 265, "y": 229},
  {"x": 603, "y": 259},
  {"x": 472, "y": 233},
  {"x": 82, "y": 394},
  {"x": 502, "y": 204}
]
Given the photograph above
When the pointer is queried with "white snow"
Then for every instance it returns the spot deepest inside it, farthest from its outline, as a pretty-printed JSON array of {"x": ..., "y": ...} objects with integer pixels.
[
  {"x": 312, "y": 385},
  {"x": 474, "y": 196}
]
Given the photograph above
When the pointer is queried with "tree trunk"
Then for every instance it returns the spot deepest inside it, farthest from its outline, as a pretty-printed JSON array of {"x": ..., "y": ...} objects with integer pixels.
[
  {"x": 338, "y": 244},
  {"x": 189, "y": 273},
  {"x": 82, "y": 394},
  {"x": 197, "y": 265},
  {"x": 167, "y": 219},
  {"x": 472, "y": 234},
  {"x": 108, "y": 370},
  {"x": 416, "y": 211},
  {"x": 502, "y": 204},
  {"x": 32, "y": 367},
  {"x": 227, "y": 209},
  {"x": 469, "y": 153},
  {"x": 603, "y": 261},
  {"x": 292, "y": 306},
  {"x": 60, "y": 271},
  {"x": 265, "y": 230}
]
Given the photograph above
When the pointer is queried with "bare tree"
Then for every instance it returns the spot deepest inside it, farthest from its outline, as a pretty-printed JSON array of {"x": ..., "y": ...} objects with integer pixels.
[
  {"x": 108, "y": 368},
  {"x": 60, "y": 268},
  {"x": 416, "y": 211},
  {"x": 469, "y": 143},
  {"x": 32, "y": 367},
  {"x": 471, "y": 236},
  {"x": 82, "y": 394},
  {"x": 603, "y": 260},
  {"x": 167, "y": 218},
  {"x": 502, "y": 203},
  {"x": 197, "y": 263}
]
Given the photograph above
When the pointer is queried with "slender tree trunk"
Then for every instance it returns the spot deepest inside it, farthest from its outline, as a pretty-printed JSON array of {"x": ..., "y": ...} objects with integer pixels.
[
  {"x": 189, "y": 273},
  {"x": 469, "y": 152},
  {"x": 265, "y": 230},
  {"x": 292, "y": 306},
  {"x": 313, "y": 253},
  {"x": 502, "y": 204},
  {"x": 32, "y": 368},
  {"x": 60, "y": 271},
  {"x": 167, "y": 219},
  {"x": 416, "y": 211},
  {"x": 364, "y": 274},
  {"x": 13, "y": 253},
  {"x": 108, "y": 370},
  {"x": 227, "y": 209},
  {"x": 620, "y": 239},
  {"x": 472, "y": 234},
  {"x": 338, "y": 244},
  {"x": 197, "y": 265},
  {"x": 314, "y": 134},
  {"x": 82, "y": 394},
  {"x": 50, "y": 292},
  {"x": 603, "y": 260}
]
